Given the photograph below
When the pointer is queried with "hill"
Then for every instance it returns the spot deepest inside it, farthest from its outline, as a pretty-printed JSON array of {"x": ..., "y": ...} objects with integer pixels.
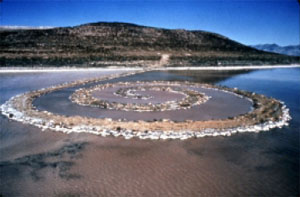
[
  {"x": 293, "y": 50},
  {"x": 105, "y": 44}
]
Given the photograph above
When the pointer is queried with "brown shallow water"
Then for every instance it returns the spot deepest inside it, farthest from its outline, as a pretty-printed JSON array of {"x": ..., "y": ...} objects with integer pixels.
[
  {"x": 36, "y": 163},
  {"x": 53, "y": 164}
]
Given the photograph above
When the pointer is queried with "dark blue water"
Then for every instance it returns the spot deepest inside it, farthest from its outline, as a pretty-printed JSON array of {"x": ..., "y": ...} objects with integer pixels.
[
  {"x": 282, "y": 84},
  {"x": 281, "y": 145}
]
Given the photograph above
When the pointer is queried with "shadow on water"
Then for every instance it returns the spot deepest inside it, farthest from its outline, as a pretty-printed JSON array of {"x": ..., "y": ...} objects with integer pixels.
[{"x": 60, "y": 160}]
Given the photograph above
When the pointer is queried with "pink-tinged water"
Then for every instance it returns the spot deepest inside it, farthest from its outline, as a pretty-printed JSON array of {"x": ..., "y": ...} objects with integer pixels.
[{"x": 36, "y": 163}]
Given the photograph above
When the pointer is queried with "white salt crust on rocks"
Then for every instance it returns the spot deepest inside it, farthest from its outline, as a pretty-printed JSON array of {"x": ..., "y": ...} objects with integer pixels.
[{"x": 20, "y": 112}]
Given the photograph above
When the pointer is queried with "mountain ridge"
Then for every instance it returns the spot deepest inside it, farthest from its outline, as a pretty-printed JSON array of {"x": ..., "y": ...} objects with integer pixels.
[
  {"x": 107, "y": 44},
  {"x": 293, "y": 50}
]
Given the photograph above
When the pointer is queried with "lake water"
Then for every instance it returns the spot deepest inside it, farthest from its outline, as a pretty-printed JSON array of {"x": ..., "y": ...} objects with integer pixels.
[{"x": 35, "y": 163}]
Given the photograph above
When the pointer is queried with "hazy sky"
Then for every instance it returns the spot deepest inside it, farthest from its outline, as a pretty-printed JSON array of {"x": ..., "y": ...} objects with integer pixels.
[{"x": 246, "y": 21}]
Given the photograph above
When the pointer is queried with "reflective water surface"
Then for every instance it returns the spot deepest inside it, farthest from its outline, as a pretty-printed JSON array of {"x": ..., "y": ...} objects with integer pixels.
[{"x": 36, "y": 163}]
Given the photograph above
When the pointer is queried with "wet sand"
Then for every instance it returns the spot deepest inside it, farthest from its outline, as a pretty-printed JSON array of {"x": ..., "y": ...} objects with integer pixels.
[{"x": 36, "y": 163}]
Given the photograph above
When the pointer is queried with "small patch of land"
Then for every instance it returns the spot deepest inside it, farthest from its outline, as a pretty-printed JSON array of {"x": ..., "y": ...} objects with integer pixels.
[{"x": 128, "y": 45}]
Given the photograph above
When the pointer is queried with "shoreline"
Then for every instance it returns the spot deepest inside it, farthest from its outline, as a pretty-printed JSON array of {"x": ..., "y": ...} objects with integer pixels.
[
  {"x": 232, "y": 67},
  {"x": 113, "y": 68},
  {"x": 64, "y": 69}
]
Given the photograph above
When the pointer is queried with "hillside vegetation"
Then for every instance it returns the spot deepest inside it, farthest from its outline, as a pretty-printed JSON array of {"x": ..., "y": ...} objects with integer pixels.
[{"x": 107, "y": 44}]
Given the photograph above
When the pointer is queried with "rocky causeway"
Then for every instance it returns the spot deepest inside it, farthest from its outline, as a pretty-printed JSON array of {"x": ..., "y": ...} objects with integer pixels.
[{"x": 266, "y": 113}]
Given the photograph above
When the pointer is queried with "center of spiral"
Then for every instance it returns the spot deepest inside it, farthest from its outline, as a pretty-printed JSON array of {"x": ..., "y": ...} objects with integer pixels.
[{"x": 142, "y": 96}]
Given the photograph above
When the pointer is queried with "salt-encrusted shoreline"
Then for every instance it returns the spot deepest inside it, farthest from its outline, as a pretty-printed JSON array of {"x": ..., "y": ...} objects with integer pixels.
[
  {"x": 113, "y": 68},
  {"x": 267, "y": 114},
  {"x": 65, "y": 69},
  {"x": 253, "y": 67}
]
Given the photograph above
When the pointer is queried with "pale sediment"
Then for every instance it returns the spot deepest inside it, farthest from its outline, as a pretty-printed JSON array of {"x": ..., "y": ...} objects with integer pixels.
[
  {"x": 267, "y": 113},
  {"x": 131, "y": 68}
]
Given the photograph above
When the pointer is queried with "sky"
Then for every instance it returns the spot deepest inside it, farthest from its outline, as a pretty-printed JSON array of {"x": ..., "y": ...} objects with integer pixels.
[{"x": 246, "y": 21}]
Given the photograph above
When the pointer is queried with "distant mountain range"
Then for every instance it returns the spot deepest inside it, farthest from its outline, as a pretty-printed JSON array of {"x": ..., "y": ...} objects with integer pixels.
[
  {"x": 110, "y": 44},
  {"x": 274, "y": 48},
  {"x": 14, "y": 27}
]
